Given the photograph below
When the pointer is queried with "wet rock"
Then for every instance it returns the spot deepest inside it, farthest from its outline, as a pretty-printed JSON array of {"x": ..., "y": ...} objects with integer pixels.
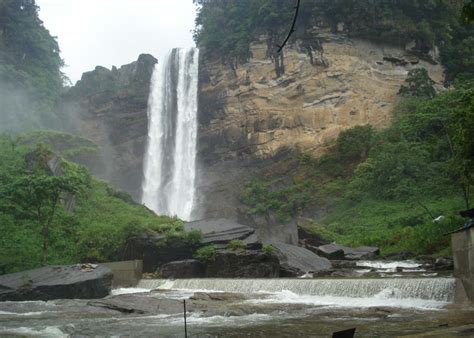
[
  {"x": 296, "y": 261},
  {"x": 140, "y": 304},
  {"x": 222, "y": 231},
  {"x": 443, "y": 263},
  {"x": 189, "y": 268},
  {"x": 243, "y": 264},
  {"x": 331, "y": 251},
  {"x": 399, "y": 256},
  {"x": 364, "y": 252},
  {"x": 226, "y": 296},
  {"x": 344, "y": 264},
  {"x": 83, "y": 281}
]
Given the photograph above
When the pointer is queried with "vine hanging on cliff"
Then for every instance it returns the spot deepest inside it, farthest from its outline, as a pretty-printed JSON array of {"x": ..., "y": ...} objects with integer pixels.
[{"x": 292, "y": 29}]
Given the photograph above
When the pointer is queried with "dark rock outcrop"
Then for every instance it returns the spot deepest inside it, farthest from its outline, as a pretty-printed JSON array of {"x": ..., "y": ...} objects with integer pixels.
[
  {"x": 243, "y": 264},
  {"x": 155, "y": 250},
  {"x": 109, "y": 107},
  {"x": 333, "y": 251},
  {"x": 86, "y": 281},
  {"x": 296, "y": 261},
  {"x": 189, "y": 268},
  {"x": 443, "y": 264},
  {"x": 221, "y": 231}
]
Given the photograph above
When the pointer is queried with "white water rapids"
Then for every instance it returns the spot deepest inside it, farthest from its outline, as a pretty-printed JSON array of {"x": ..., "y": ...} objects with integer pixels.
[
  {"x": 169, "y": 170},
  {"x": 422, "y": 293}
]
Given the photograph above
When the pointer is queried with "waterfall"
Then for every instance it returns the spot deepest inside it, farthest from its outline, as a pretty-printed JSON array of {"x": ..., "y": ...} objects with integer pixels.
[
  {"x": 169, "y": 169},
  {"x": 433, "y": 289}
]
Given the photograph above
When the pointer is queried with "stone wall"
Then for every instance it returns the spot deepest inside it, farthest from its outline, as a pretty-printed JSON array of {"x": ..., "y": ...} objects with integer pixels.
[{"x": 463, "y": 254}]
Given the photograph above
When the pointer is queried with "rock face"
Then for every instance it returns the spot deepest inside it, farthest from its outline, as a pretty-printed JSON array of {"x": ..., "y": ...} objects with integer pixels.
[
  {"x": 221, "y": 231},
  {"x": 250, "y": 121},
  {"x": 243, "y": 264},
  {"x": 110, "y": 108},
  {"x": 296, "y": 261},
  {"x": 85, "y": 281},
  {"x": 336, "y": 251},
  {"x": 189, "y": 268}
]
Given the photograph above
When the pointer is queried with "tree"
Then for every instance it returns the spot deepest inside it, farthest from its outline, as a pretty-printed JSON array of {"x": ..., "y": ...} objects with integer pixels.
[
  {"x": 419, "y": 84},
  {"x": 37, "y": 194}
]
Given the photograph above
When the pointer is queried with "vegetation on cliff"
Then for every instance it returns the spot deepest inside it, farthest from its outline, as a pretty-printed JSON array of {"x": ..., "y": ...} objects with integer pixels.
[
  {"x": 64, "y": 216},
  {"x": 226, "y": 28},
  {"x": 30, "y": 68},
  {"x": 385, "y": 188}
]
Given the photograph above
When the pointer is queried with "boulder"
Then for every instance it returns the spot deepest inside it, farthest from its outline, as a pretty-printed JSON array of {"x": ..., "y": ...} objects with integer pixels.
[
  {"x": 81, "y": 281},
  {"x": 333, "y": 251},
  {"x": 189, "y": 268},
  {"x": 221, "y": 231},
  {"x": 443, "y": 263},
  {"x": 243, "y": 264},
  {"x": 297, "y": 261}
]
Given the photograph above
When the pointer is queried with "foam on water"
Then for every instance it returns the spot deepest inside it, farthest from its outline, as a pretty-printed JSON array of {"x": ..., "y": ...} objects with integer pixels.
[
  {"x": 48, "y": 331},
  {"x": 124, "y": 291},
  {"x": 391, "y": 266},
  {"x": 386, "y": 298}
]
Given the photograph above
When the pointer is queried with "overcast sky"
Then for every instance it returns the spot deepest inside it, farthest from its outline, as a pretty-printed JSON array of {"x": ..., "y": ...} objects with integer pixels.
[{"x": 115, "y": 32}]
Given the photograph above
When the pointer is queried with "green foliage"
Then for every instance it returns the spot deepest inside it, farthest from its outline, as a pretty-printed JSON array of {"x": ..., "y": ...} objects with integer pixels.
[
  {"x": 268, "y": 248},
  {"x": 354, "y": 144},
  {"x": 385, "y": 187},
  {"x": 69, "y": 218},
  {"x": 30, "y": 76},
  {"x": 205, "y": 254},
  {"x": 419, "y": 84},
  {"x": 236, "y": 245},
  {"x": 226, "y": 28}
]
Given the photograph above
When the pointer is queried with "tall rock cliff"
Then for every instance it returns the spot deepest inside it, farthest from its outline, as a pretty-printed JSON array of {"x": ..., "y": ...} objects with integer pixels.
[
  {"x": 251, "y": 121},
  {"x": 110, "y": 108}
]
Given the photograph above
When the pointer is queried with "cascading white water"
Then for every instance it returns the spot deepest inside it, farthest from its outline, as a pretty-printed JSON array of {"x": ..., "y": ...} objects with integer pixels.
[
  {"x": 407, "y": 290},
  {"x": 169, "y": 170}
]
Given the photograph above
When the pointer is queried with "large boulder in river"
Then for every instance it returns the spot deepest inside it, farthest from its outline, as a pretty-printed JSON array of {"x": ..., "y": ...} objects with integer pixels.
[
  {"x": 296, "y": 261},
  {"x": 82, "y": 281},
  {"x": 243, "y": 264},
  {"x": 333, "y": 251},
  {"x": 189, "y": 268}
]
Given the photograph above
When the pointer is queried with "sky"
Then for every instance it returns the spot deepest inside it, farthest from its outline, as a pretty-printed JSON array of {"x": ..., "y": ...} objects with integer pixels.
[{"x": 114, "y": 32}]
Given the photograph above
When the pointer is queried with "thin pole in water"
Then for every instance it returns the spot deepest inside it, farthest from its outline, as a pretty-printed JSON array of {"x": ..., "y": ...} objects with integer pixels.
[{"x": 185, "y": 324}]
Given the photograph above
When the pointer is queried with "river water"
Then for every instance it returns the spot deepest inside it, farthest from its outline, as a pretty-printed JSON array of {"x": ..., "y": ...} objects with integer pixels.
[{"x": 251, "y": 308}]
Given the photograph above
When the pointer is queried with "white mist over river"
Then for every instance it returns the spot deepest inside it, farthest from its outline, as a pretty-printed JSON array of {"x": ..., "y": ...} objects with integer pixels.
[{"x": 170, "y": 160}]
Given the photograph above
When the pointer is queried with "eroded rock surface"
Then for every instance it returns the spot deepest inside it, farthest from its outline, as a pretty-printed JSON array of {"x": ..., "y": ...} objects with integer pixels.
[
  {"x": 296, "y": 261},
  {"x": 82, "y": 281},
  {"x": 250, "y": 121},
  {"x": 110, "y": 108},
  {"x": 243, "y": 264}
]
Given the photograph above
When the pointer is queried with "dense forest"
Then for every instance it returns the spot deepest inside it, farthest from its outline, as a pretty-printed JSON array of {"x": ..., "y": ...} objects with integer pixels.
[{"x": 31, "y": 79}]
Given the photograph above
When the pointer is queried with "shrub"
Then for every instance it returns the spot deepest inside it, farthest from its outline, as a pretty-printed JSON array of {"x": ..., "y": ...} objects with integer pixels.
[
  {"x": 205, "y": 254},
  {"x": 236, "y": 244},
  {"x": 268, "y": 248}
]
